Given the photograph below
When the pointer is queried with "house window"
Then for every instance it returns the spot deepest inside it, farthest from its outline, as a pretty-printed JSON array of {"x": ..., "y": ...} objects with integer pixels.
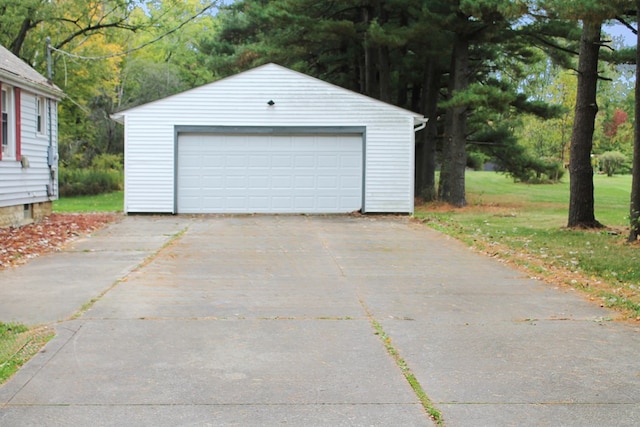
[
  {"x": 8, "y": 133},
  {"x": 40, "y": 118}
]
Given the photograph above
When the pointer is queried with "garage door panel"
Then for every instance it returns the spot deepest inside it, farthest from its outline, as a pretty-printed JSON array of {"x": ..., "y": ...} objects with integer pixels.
[
  {"x": 258, "y": 202},
  {"x": 259, "y": 182},
  {"x": 349, "y": 161},
  {"x": 282, "y": 203},
  {"x": 305, "y": 145},
  {"x": 281, "y": 182},
  {"x": 305, "y": 161},
  {"x": 328, "y": 161},
  {"x": 269, "y": 173},
  {"x": 236, "y": 161},
  {"x": 211, "y": 160},
  {"x": 304, "y": 183},
  {"x": 328, "y": 182},
  {"x": 213, "y": 202},
  {"x": 215, "y": 182},
  {"x": 283, "y": 144},
  {"x": 350, "y": 182},
  {"x": 328, "y": 202},
  {"x": 259, "y": 161},
  {"x": 329, "y": 145},
  {"x": 281, "y": 161}
]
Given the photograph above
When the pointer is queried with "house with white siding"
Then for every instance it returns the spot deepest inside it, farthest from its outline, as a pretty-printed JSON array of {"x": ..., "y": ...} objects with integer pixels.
[
  {"x": 269, "y": 140},
  {"x": 29, "y": 139}
]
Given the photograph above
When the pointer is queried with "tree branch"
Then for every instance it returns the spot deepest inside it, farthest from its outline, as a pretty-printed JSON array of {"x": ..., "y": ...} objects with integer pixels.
[
  {"x": 624, "y": 22},
  {"x": 94, "y": 28},
  {"x": 553, "y": 45},
  {"x": 16, "y": 44}
]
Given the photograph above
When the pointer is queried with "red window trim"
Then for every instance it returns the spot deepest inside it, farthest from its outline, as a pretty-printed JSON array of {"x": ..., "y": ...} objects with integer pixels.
[
  {"x": 0, "y": 123},
  {"x": 16, "y": 95}
]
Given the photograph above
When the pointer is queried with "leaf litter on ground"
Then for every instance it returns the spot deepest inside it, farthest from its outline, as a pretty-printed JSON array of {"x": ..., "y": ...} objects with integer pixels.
[{"x": 18, "y": 245}]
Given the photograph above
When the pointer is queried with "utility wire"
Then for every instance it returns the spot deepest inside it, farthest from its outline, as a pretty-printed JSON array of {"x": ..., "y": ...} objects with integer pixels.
[{"x": 142, "y": 46}]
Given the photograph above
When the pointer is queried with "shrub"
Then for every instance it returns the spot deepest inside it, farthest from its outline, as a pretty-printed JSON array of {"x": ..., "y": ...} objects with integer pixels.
[
  {"x": 552, "y": 169},
  {"x": 476, "y": 160},
  {"x": 79, "y": 182},
  {"x": 611, "y": 162},
  {"x": 108, "y": 162},
  {"x": 532, "y": 170}
]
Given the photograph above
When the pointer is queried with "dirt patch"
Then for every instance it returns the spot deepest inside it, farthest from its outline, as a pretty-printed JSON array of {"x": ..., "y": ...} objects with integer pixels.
[{"x": 18, "y": 245}]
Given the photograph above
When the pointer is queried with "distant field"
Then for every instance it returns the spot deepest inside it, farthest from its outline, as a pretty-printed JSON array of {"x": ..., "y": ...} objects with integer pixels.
[
  {"x": 525, "y": 224},
  {"x": 109, "y": 202}
]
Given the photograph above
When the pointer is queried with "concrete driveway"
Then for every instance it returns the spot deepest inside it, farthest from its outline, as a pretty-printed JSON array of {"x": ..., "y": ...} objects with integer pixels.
[{"x": 272, "y": 320}]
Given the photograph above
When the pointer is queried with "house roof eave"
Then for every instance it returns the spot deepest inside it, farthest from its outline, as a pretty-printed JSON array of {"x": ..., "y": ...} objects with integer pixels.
[{"x": 15, "y": 80}]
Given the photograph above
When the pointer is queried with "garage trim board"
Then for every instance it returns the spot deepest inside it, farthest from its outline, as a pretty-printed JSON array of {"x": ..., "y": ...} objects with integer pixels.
[{"x": 269, "y": 169}]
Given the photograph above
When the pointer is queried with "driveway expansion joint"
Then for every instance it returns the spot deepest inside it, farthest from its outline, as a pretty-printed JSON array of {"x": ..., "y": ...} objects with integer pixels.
[{"x": 425, "y": 401}]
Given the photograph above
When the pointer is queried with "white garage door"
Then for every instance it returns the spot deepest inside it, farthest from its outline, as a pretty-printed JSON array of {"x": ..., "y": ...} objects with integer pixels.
[{"x": 219, "y": 173}]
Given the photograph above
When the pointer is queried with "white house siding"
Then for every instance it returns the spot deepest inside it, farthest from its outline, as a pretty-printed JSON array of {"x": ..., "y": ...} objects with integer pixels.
[
  {"x": 20, "y": 185},
  {"x": 241, "y": 100}
]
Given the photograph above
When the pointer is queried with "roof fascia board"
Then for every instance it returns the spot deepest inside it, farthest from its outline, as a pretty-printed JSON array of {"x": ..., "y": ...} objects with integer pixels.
[{"x": 14, "y": 80}]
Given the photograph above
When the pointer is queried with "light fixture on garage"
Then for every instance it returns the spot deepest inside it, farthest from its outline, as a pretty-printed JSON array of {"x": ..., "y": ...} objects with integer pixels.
[{"x": 271, "y": 103}]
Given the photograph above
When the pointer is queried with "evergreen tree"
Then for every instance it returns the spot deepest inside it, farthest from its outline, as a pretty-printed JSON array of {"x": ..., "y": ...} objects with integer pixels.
[
  {"x": 592, "y": 13},
  {"x": 483, "y": 36}
]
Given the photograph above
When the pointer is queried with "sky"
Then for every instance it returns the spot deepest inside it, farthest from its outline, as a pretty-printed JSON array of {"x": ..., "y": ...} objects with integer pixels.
[{"x": 620, "y": 30}]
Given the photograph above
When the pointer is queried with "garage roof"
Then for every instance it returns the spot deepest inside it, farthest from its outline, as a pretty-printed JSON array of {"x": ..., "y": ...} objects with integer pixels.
[{"x": 418, "y": 118}]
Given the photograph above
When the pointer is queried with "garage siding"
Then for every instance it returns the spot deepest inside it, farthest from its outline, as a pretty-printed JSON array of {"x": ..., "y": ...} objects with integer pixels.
[
  {"x": 149, "y": 168},
  {"x": 242, "y": 100}
]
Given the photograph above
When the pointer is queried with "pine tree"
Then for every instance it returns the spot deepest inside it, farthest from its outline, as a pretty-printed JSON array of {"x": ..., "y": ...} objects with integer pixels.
[
  {"x": 483, "y": 25},
  {"x": 593, "y": 14}
]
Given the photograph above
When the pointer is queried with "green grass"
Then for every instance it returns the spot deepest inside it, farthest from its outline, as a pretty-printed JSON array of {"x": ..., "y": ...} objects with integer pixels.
[
  {"x": 525, "y": 224},
  {"x": 108, "y": 202},
  {"x": 426, "y": 403},
  {"x": 18, "y": 344}
]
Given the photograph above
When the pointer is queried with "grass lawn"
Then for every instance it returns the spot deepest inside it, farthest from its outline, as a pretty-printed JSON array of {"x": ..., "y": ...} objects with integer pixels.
[
  {"x": 17, "y": 345},
  {"x": 108, "y": 202},
  {"x": 525, "y": 224}
]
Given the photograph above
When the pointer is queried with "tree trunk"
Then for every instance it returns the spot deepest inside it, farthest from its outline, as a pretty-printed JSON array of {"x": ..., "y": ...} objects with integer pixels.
[
  {"x": 581, "y": 201},
  {"x": 370, "y": 57},
  {"x": 384, "y": 58},
  {"x": 384, "y": 68},
  {"x": 426, "y": 182},
  {"x": 634, "y": 218},
  {"x": 452, "y": 179}
]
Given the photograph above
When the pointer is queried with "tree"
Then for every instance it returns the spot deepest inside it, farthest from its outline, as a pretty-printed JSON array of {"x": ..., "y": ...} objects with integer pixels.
[
  {"x": 592, "y": 14},
  {"x": 634, "y": 214},
  {"x": 387, "y": 49},
  {"x": 452, "y": 174},
  {"x": 99, "y": 46},
  {"x": 486, "y": 26},
  {"x": 581, "y": 200}
]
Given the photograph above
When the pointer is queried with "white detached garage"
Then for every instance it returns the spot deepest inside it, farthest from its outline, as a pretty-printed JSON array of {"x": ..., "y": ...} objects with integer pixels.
[{"x": 269, "y": 140}]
